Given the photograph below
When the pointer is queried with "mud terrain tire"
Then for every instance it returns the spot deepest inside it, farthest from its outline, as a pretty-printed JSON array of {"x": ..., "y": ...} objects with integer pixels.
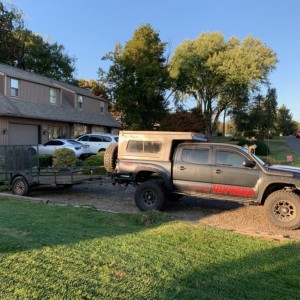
[
  {"x": 110, "y": 157},
  {"x": 150, "y": 195},
  {"x": 283, "y": 209}
]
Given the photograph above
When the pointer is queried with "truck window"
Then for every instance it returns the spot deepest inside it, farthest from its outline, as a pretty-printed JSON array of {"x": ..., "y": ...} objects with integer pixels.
[
  {"x": 143, "y": 146},
  {"x": 195, "y": 156},
  {"x": 227, "y": 158}
]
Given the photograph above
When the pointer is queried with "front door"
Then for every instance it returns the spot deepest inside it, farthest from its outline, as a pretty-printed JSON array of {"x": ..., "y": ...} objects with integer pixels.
[{"x": 230, "y": 178}]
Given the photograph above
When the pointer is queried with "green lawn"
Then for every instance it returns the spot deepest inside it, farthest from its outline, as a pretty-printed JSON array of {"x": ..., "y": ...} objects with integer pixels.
[
  {"x": 58, "y": 252},
  {"x": 279, "y": 150}
]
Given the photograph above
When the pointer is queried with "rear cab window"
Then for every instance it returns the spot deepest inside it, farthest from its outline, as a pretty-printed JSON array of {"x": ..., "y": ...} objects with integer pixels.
[{"x": 143, "y": 147}]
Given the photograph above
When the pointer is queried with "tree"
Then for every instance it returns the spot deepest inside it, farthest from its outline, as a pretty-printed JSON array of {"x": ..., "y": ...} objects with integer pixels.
[
  {"x": 44, "y": 58},
  {"x": 182, "y": 121},
  {"x": 285, "y": 125},
  {"x": 10, "y": 21},
  {"x": 263, "y": 113},
  {"x": 138, "y": 79},
  {"x": 26, "y": 50},
  {"x": 213, "y": 71},
  {"x": 95, "y": 86}
]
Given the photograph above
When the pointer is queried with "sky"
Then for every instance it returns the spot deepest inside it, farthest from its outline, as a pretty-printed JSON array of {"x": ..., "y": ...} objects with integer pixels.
[{"x": 90, "y": 29}]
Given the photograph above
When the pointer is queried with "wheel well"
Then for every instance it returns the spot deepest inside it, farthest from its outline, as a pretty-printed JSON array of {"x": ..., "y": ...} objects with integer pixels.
[
  {"x": 147, "y": 175},
  {"x": 276, "y": 187}
]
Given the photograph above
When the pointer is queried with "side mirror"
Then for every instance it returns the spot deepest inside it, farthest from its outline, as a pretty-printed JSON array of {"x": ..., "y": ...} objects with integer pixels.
[{"x": 249, "y": 163}]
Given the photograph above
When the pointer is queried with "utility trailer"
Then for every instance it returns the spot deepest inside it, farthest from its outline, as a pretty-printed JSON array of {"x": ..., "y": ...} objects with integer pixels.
[{"x": 20, "y": 170}]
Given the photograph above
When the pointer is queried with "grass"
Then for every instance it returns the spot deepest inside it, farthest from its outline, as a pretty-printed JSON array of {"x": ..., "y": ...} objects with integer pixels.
[
  {"x": 279, "y": 150},
  {"x": 57, "y": 252}
]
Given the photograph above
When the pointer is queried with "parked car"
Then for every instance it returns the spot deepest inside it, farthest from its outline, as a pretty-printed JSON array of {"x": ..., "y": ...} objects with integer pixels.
[
  {"x": 297, "y": 134},
  {"x": 81, "y": 151},
  {"x": 98, "y": 141}
]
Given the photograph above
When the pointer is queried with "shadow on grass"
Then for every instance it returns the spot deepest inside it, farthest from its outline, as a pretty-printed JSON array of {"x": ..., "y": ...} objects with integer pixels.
[
  {"x": 26, "y": 225},
  {"x": 267, "y": 274}
]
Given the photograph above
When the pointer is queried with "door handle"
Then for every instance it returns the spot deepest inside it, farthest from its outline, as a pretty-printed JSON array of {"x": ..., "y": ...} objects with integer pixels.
[
  {"x": 182, "y": 168},
  {"x": 218, "y": 171}
]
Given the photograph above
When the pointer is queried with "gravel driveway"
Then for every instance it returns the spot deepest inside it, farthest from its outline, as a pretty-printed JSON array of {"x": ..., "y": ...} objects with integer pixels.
[{"x": 245, "y": 219}]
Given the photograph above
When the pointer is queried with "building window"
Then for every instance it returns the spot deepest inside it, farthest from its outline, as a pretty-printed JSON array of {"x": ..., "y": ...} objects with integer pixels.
[
  {"x": 57, "y": 132},
  {"x": 79, "y": 102},
  {"x": 101, "y": 107},
  {"x": 53, "y": 96},
  {"x": 14, "y": 87}
]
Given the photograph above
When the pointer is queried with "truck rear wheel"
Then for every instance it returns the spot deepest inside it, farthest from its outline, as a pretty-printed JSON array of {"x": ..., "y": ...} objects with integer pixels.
[
  {"x": 20, "y": 186},
  {"x": 150, "y": 195},
  {"x": 110, "y": 157},
  {"x": 283, "y": 209}
]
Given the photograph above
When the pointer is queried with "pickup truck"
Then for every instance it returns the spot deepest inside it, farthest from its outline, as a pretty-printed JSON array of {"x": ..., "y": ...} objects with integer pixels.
[{"x": 169, "y": 165}]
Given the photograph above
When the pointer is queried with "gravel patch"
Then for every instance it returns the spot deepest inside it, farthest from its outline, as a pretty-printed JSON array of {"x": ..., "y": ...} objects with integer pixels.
[{"x": 237, "y": 217}]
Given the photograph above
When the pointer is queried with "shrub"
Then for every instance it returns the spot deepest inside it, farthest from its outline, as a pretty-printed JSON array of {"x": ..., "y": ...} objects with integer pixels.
[
  {"x": 45, "y": 160},
  {"x": 64, "y": 157},
  {"x": 95, "y": 161},
  {"x": 262, "y": 148}
]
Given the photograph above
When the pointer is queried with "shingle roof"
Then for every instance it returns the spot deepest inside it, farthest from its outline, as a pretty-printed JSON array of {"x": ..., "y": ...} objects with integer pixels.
[
  {"x": 33, "y": 77},
  {"x": 65, "y": 113},
  {"x": 35, "y": 110}
]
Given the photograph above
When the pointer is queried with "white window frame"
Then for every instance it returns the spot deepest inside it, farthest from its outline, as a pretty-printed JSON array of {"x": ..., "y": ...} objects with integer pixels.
[
  {"x": 80, "y": 102},
  {"x": 102, "y": 107},
  {"x": 53, "y": 96},
  {"x": 15, "y": 87}
]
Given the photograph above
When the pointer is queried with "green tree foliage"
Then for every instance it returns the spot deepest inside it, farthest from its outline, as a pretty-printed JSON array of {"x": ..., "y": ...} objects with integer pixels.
[
  {"x": 138, "y": 79},
  {"x": 285, "y": 124},
  {"x": 256, "y": 116},
  {"x": 182, "y": 121},
  {"x": 263, "y": 113},
  {"x": 10, "y": 22},
  {"x": 26, "y": 50},
  {"x": 214, "y": 72}
]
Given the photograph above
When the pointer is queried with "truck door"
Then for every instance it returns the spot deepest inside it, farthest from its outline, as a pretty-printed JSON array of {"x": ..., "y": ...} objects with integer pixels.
[
  {"x": 192, "y": 169},
  {"x": 229, "y": 176}
]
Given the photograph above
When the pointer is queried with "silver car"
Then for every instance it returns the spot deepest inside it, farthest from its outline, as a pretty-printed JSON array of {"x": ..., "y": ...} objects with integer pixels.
[{"x": 81, "y": 151}]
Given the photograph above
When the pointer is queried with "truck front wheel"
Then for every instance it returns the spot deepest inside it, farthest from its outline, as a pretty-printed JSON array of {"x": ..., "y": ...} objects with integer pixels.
[
  {"x": 283, "y": 209},
  {"x": 150, "y": 195}
]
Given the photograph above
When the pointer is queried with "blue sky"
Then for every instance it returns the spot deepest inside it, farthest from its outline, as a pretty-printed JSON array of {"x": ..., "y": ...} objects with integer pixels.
[{"x": 90, "y": 29}]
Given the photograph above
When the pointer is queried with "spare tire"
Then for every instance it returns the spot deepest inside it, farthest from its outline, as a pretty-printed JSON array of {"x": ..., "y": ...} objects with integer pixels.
[{"x": 110, "y": 158}]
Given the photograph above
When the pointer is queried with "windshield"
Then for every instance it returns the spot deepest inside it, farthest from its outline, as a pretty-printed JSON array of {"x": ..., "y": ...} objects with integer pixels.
[
  {"x": 261, "y": 162},
  {"x": 74, "y": 142}
]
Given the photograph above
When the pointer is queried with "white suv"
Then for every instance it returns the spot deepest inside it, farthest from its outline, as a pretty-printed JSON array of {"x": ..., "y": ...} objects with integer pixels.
[{"x": 98, "y": 141}]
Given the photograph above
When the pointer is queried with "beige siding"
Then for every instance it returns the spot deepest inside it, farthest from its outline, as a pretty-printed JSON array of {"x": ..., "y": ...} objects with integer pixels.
[
  {"x": 1, "y": 84},
  {"x": 69, "y": 96},
  {"x": 35, "y": 92},
  {"x": 3, "y": 126},
  {"x": 92, "y": 105},
  {"x": 5, "y": 123}
]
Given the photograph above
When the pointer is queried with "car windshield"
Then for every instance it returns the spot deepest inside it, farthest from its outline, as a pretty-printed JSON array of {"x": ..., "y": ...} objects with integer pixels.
[{"x": 74, "y": 142}]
